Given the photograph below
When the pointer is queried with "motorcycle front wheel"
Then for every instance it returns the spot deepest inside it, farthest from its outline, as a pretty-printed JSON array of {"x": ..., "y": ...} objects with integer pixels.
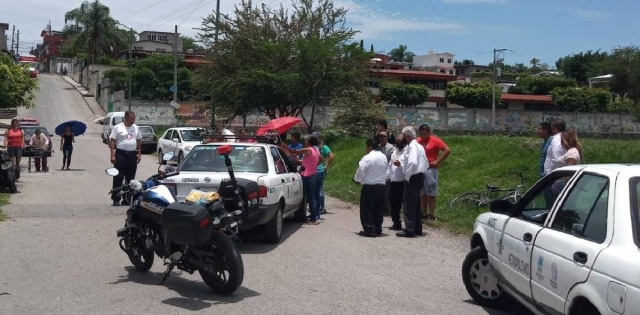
[
  {"x": 227, "y": 263},
  {"x": 141, "y": 257}
]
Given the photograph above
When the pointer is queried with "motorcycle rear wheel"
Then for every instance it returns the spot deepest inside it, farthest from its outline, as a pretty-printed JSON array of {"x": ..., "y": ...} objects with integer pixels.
[
  {"x": 228, "y": 265},
  {"x": 141, "y": 257}
]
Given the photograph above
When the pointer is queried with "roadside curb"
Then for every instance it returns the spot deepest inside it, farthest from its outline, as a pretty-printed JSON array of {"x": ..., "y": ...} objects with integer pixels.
[{"x": 77, "y": 86}]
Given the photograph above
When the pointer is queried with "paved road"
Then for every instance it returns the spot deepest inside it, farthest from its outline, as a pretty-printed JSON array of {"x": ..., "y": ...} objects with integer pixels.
[{"x": 60, "y": 255}]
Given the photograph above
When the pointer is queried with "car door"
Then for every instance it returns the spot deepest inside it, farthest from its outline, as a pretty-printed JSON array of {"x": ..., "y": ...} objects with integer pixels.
[
  {"x": 515, "y": 242},
  {"x": 283, "y": 182},
  {"x": 296, "y": 181},
  {"x": 166, "y": 141},
  {"x": 579, "y": 230}
]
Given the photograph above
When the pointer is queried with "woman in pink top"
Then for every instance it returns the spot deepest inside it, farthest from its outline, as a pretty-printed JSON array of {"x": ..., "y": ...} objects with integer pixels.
[
  {"x": 310, "y": 162},
  {"x": 573, "y": 146}
]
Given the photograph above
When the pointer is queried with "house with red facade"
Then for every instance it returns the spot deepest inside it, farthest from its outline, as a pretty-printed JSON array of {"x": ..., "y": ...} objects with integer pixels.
[{"x": 49, "y": 49}]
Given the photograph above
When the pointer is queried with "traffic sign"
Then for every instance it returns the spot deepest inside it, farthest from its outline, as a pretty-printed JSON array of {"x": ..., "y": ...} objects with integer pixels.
[
  {"x": 175, "y": 105},
  {"x": 173, "y": 89}
]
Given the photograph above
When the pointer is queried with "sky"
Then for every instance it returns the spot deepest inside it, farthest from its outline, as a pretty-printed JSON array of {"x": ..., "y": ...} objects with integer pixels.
[{"x": 469, "y": 29}]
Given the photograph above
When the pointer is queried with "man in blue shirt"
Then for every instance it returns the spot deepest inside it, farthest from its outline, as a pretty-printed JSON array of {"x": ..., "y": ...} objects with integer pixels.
[
  {"x": 295, "y": 144},
  {"x": 544, "y": 132}
]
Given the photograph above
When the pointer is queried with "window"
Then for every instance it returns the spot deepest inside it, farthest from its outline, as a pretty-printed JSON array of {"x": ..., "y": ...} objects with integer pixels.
[
  {"x": 161, "y": 50},
  {"x": 279, "y": 164},
  {"x": 162, "y": 38},
  {"x": 169, "y": 135},
  {"x": 290, "y": 166},
  {"x": 448, "y": 60},
  {"x": 584, "y": 212},
  {"x": 191, "y": 135},
  {"x": 205, "y": 158},
  {"x": 146, "y": 129},
  {"x": 117, "y": 120},
  {"x": 138, "y": 48},
  {"x": 151, "y": 37},
  {"x": 450, "y": 71},
  {"x": 441, "y": 59},
  {"x": 634, "y": 193}
]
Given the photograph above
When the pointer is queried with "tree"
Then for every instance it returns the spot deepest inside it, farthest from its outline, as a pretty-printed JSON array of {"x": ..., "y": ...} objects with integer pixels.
[
  {"x": 190, "y": 43},
  {"x": 540, "y": 85},
  {"x": 581, "y": 66},
  {"x": 406, "y": 95},
  {"x": 581, "y": 99},
  {"x": 16, "y": 87},
  {"x": 624, "y": 64},
  {"x": 472, "y": 95},
  {"x": 94, "y": 31},
  {"x": 534, "y": 62},
  {"x": 282, "y": 62},
  {"x": 356, "y": 115},
  {"x": 401, "y": 54}
]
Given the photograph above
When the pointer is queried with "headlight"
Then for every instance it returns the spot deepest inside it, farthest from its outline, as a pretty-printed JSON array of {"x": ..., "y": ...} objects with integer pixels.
[
  {"x": 187, "y": 148},
  {"x": 135, "y": 185}
]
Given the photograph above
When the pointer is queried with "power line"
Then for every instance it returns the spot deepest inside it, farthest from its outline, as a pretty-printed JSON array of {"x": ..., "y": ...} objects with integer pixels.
[
  {"x": 170, "y": 14},
  {"x": 144, "y": 9}
]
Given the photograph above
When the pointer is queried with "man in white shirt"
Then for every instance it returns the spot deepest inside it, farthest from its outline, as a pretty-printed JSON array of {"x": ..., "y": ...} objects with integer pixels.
[
  {"x": 555, "y": 149},
  {"x": 40, "y": 142},
  {"x": 372, "y": 174},
  {"x": 125, "y": 146},
  {"x": 414, "y": 165},
  {"x": 395, "y": 178}
]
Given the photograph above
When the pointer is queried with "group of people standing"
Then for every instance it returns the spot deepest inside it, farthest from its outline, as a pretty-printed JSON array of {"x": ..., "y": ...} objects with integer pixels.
[
  {"x": 315, "y": 158},
  {"x": 399, "y": 172},
  {"x": 14, "y": 141},
  {"x": 560, "y": 146}
]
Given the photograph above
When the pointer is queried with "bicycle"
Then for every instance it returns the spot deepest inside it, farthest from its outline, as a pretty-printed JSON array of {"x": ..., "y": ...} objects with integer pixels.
[{"x": 482, "y": 198}]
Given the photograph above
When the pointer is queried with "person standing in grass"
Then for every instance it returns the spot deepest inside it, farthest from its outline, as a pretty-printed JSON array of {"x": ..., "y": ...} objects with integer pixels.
[
  {"x": 372, "y": 175},
  {"x": 387, "y": 149},
  {"x": 570, "y": 142},
  {"x": 555, "y": 149},
  {"x": 380, "y": 127},
  {"x": 432, "y": 147},
  {"x": 414, "y": 166},
  {"x": 544, "y": 132},
  {"x": 327, "y": 159}
]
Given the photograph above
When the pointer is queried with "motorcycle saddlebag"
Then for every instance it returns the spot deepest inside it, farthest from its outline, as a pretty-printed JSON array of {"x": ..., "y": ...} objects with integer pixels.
[
  {"x": 186, "y": 224},
  {"x": 248, "y": 192}
]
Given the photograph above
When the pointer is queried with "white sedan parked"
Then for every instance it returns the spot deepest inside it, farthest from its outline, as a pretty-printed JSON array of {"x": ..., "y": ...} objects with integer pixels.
[
  {"x": 280, "y": 193},
  {"x": 571, "y": 245},
  {"x": 179, "y": 140}
]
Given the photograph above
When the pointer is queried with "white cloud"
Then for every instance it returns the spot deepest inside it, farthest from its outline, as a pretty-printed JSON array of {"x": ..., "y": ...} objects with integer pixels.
[
  {"x": 475, "y": 1},
  {"x": 591, "y": 14}
]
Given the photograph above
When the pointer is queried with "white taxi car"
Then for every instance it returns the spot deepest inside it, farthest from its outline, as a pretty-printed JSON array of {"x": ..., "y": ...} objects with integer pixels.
[
  {"x": 570, "y": 245},
  {"x": 179, "y": 140},
  {"x": 280, "y": 192}
]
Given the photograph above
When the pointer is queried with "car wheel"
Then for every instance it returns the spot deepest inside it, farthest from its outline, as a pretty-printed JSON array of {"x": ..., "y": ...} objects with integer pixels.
[
  {"x": 160, "y": 161},
  {"x": 480, "y": 282},
  {"x": 301, "y": 213},
  {"x": 273, "y": 228}
]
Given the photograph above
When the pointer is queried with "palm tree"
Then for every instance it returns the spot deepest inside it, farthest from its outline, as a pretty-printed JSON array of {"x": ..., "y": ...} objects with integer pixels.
[
  {"x": 534, "y": 62},
  {"x": 94, "y": 31},
  {"x": 401, "y": 54}
]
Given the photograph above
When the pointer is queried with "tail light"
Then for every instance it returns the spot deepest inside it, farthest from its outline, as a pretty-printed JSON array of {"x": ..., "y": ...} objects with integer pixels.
[
  {"x": 205, "y": 222},
  {"x": 262, "y": 191}
]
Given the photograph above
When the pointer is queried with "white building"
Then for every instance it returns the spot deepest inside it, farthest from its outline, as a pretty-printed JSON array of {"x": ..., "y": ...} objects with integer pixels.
[
  {"x": 439, "y": 62},
  {"x": 158, "y": 42}
]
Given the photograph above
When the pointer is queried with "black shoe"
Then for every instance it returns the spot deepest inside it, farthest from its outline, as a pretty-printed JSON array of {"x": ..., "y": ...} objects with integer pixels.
[
  {"x": 396, "y": 227},
  {"x": 366, "y": 234},
  {"x": 116, "y": 203},
  {"x": 405, "y": 234},
  {"x": 419, "y": 233}
]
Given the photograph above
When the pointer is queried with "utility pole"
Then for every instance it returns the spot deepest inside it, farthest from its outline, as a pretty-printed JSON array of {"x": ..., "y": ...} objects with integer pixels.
[
  {"x": 175, "y": 64},
  {"x": 493, "y": 85},
  {"x": 13, "y": 40},
  {"x": 17, "y": 44},
  {"x": 215, "y": 48},
  {"x": 130, "y": 56}
]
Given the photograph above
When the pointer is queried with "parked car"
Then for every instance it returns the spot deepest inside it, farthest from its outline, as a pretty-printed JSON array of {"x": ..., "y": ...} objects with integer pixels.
[
  {"x": 570, "y": 245},
  {"x": 29, "y": 130},
  {"x": 28, "y": 121},
  {"x": 180, "y": 141},
  {"x": 109, "y": 121},
  {"x": 149, "y": 139},
  {"x": 280, "y": 192}
]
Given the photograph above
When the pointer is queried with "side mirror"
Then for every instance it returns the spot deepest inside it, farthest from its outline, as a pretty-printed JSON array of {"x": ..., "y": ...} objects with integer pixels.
[
  {"x": 501, "y": 206},
  {"x": 168, "y": 156},
  {"x": 112, "y": 171},
  {"x": 175, "y": 140}
]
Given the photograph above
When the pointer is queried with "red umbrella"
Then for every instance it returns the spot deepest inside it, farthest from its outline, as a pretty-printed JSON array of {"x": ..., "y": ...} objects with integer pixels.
[{"x": 279, "y": 125}]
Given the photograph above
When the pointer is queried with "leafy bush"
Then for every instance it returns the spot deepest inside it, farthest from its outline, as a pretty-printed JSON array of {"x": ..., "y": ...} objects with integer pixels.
[
  {"x": 357, "y": 116},
  {"x": 541, "y": 85},
  {"x": 406, "y": 95},
  {"x": 472, "y": 95},
  {"x": 581, "y": 99}
]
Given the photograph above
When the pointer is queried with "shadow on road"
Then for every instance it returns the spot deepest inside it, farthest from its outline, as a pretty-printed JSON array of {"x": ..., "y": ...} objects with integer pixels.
[
  {"x": 513, "y": 308},
  {"x": 195, "y": 295},
  {"x": 253, "y": 240}
]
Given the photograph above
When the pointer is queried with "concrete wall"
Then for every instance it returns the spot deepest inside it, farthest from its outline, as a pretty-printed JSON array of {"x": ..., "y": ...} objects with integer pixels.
[{"x": 512, "y": 121}]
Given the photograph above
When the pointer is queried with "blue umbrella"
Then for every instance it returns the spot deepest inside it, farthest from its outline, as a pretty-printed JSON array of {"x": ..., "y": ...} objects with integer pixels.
[{"x": 77, "y": 127}]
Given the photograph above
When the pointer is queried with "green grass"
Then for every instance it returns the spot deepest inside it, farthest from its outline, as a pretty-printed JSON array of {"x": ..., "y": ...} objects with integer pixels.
[
  {"x": 4, "y": 200},
  {"x": 474, "y": 162}
]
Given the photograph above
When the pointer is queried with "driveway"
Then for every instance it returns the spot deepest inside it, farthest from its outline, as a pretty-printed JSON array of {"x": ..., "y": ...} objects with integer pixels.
[{"x": 60, "y": 253}]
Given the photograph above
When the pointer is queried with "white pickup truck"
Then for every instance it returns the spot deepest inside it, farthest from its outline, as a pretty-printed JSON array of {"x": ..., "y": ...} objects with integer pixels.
[{"x": 570, "y": 245}]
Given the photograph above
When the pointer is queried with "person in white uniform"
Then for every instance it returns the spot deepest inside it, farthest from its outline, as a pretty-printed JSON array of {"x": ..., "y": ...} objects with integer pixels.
[
  {"x": 372, "y": 175},
  {"x": 125, "y": 146}
]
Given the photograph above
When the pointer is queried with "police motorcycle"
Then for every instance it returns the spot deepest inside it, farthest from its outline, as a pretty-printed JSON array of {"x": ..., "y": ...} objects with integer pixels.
[{"x": 190, "y": 237}]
